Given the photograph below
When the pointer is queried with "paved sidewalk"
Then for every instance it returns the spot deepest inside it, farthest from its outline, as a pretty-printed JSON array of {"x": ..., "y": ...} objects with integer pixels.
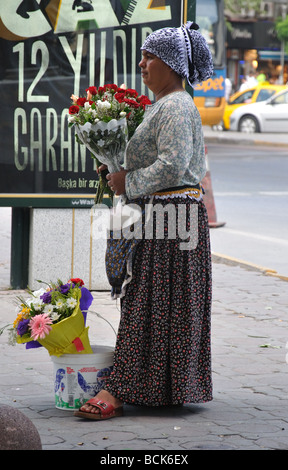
[
  {"x": 250, "y": 374},
  {"x": 242, "y": 138}
]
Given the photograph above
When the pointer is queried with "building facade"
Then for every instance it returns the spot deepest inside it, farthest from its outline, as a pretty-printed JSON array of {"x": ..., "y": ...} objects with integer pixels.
[{"x": 252, "y": 44}]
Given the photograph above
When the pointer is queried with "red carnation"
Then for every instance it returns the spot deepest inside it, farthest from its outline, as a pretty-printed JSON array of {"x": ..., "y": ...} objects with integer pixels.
[
  {"x": 74, "y": 109},
  {"x": 143, "y": 100},
  {"x": 77, "y": 280},
  {"x": 111, "y": 86},
  {"x": 92, "y": 90},
  {"x": 119, "y": 97},
  {"x": 81, "y": 101},
  {"x": 132, "y": 103},
  {"x": 131, "y": 92}
]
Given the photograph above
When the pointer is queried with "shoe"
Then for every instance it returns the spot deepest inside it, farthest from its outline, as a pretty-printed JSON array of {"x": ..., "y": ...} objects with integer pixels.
[{"x": 106, "y": 410}]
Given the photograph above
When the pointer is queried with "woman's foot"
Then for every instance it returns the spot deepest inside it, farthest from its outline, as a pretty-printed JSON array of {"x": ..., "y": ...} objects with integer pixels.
[
  {"x": 104, "y": 396},
  {"x": 103, "y": 406}
]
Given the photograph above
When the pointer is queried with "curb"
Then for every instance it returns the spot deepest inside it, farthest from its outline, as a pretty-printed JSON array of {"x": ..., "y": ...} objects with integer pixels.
[
  {"x": 229, "y": 260},
  {"x": 232, "y": 141}
]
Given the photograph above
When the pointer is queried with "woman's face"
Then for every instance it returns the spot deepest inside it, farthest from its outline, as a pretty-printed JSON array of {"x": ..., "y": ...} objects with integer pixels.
[{"x": 154, "y": 71}]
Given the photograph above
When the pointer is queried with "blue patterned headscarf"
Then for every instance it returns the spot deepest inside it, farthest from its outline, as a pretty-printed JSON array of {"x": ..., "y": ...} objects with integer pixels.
[{"x": 184, "y": 49}]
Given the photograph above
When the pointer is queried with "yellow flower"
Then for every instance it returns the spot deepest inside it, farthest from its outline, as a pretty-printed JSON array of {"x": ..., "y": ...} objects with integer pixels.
[
  {"x": 21, "y": 315},
  {"x": 17, "y": 320},
  {"x": 25, "y": 311}
]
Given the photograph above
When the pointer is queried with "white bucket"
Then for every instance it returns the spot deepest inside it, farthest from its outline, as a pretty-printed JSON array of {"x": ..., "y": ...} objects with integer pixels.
[{"x": 79, "y": 377}]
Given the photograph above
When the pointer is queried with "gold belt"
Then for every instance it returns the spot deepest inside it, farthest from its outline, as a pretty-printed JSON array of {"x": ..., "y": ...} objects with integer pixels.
[{"x": 193, "y": 191}]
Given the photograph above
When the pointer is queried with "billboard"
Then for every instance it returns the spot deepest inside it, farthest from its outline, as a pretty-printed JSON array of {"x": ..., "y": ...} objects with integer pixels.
[{"x": 49, "y": 50}]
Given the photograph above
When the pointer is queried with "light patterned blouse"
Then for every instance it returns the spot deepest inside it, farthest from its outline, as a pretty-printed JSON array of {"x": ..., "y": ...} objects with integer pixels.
[{"x": 167, "y": 149}]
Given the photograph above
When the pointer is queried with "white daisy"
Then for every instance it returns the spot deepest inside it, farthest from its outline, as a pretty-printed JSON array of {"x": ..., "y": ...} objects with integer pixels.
[
  {"x": 59, "y": 304},
  {"x": 48, "y": 309},
  {"x": 38, "y": 304},
  {"x": 71, "y": 303},
  {"x": 54, "y": 316}
]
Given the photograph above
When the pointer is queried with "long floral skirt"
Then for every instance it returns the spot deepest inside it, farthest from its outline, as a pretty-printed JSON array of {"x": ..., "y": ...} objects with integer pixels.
[{"x": 163, "y": 354}]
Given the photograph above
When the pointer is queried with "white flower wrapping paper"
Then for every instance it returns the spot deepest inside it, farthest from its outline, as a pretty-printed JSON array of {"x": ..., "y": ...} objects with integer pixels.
[{"x": 106, "y": 141}]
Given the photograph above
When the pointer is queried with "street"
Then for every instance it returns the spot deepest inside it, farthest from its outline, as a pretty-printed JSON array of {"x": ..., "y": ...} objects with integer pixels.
[{"x": 251, "y": 194}]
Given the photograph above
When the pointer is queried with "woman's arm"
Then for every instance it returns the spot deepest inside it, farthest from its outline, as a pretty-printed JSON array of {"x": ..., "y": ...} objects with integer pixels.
[{"x": 174, "y": 138}]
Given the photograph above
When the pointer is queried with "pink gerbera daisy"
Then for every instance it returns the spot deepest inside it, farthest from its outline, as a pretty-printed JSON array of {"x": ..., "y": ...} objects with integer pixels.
[{"x": 40, "y": 326}]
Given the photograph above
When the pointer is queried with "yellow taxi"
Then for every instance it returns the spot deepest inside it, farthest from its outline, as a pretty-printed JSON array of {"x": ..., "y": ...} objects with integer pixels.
[{"x": 248, "y": 96}]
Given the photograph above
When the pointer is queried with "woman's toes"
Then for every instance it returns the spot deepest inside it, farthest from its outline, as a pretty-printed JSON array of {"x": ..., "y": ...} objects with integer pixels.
[{"x": 89, "y": 409}]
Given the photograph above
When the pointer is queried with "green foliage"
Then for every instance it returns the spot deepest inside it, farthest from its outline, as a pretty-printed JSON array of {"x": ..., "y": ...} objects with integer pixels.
[
  {"x": 235, "y": 6},
  {"x": 281, "y": 27}
]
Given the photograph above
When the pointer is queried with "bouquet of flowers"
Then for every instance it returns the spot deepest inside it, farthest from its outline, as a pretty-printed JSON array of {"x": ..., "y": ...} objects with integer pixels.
[
  {"x": 104, "y": 121},
  {"x": 55, "y": 318}
]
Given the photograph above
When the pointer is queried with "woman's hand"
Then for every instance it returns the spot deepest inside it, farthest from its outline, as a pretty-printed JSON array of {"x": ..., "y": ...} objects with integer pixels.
[
  {"x": 116, "y": 181},
  {"x": 101, "y": 168}
]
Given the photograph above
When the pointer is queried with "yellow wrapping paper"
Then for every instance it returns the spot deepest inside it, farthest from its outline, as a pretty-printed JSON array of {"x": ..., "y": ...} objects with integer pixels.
[{"x": 68, "y": 336}]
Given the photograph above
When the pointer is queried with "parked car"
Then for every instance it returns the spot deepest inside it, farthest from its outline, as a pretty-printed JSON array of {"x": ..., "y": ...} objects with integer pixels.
[
  {"x": 267, "y": 116},
  {"x": 251, "y": 95}
]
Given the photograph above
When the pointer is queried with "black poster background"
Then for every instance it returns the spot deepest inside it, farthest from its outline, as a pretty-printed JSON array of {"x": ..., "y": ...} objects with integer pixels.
[{"x": 38, "y": 154}]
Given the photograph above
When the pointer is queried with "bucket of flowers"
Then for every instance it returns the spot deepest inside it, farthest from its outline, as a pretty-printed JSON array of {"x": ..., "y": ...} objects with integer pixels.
[
  {"x": 54, "y": 317},
  {"x": 104, "y": 121}
]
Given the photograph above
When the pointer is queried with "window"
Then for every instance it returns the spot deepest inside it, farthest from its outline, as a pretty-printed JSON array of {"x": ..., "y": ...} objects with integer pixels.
[
  {"x": 264, "y": 95},
  {"x": 210, "y": 21},
  {"x": 244, "y": 98},
  {"x": 281, "y": 99}
]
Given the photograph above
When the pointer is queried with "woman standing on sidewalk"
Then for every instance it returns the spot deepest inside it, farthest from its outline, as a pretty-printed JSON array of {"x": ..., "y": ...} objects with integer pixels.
[{"x": 162, "y": 354}]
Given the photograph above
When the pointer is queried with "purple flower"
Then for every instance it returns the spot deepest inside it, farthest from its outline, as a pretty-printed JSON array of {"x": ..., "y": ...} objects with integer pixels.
[
  {"x": 22, "y": 327},
  {"x": 65, "y": 288},
  {"x": 46, "y": 297}
]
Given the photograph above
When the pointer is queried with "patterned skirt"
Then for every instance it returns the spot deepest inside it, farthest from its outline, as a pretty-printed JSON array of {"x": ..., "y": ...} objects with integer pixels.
[{"x": 163, "y": 354}]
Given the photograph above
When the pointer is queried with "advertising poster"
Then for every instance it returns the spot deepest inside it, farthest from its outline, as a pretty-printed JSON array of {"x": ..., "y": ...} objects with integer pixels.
[{"x": 49, "y": 50}]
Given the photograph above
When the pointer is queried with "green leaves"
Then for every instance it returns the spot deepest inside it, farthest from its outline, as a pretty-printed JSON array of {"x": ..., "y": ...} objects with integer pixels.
[
  {"x": 281, "y": 27},
  {"x": 237, "y": 6}
]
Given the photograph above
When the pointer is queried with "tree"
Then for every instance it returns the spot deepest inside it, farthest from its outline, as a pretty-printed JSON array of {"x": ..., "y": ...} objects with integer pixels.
[
  {"x": 238, "y": 6},
  {"x": 281, "y": 27}
]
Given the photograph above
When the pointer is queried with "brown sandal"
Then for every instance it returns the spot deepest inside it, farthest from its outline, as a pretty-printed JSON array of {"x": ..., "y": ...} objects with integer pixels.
[{"x": 106, "y": 410}]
